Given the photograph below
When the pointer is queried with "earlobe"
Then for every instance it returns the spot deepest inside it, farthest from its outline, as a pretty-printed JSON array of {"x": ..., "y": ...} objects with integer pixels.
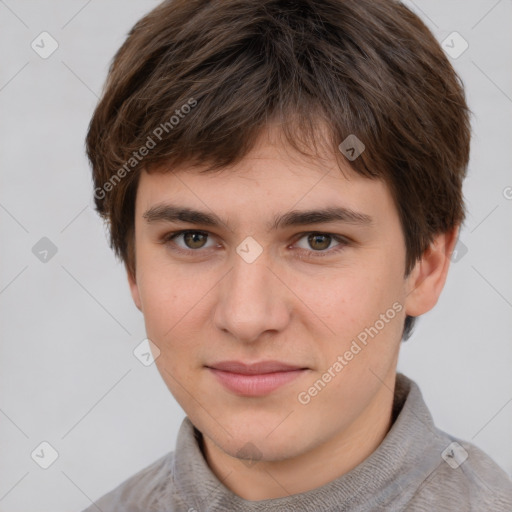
[
  {"x": 134, "y": 288},
  {"x": 426, "y": 281}
]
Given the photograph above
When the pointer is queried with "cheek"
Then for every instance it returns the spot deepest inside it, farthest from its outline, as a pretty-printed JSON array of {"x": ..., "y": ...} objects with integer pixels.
[
  {"x": 365, "y": 306},
  {"x": 174, "y": 305},
  {"x": 345, "y": 299},
  {"x": 162, "y": 310},
  {"x": 167, "y": 291}
]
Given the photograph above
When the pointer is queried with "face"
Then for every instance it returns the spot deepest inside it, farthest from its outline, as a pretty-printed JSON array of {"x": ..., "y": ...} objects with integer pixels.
[{"x": 275, "y": 328}]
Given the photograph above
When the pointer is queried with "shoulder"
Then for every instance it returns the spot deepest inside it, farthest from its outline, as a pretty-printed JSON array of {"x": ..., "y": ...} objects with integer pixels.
[
  {"x": 465, "y": 479},
  {"x": 141, "y": 491},
  {"x": 439, "y": 471}
]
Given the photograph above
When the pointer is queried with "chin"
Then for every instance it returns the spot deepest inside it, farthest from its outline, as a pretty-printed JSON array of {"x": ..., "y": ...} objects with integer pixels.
[
  {"x": 260, "y": 448},
  {"x": 252, "y": 439}
]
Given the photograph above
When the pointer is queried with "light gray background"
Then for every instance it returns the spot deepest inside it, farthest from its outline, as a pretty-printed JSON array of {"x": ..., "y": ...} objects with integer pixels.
[{"x": 67, "y": 372}]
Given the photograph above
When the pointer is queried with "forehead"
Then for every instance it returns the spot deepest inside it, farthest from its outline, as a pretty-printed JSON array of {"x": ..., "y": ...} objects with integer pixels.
[{"x": 272, "y": 179}]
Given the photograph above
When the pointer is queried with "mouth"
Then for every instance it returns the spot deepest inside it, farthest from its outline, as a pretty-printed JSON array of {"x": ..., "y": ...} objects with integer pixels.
[{"x": 255, "y": 379}]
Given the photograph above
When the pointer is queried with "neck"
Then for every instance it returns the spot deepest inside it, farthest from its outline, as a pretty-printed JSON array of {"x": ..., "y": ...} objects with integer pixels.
[{"x": 310, "y": 470}]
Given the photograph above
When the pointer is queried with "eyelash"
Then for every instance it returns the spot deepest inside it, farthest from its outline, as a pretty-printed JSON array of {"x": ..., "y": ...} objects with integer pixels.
[{"x": 168, "y": 239}]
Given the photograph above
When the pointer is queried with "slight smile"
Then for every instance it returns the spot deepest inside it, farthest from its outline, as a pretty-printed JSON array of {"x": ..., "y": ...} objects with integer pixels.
[{"x": 255, "y": 379}]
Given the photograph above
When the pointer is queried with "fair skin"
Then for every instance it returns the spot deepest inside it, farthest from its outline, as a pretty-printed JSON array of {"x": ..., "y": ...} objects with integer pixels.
[{"x": 208, "y": 304}]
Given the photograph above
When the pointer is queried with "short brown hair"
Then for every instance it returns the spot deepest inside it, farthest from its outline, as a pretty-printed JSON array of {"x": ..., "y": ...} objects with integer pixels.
[{"x": 207, "y": 77}]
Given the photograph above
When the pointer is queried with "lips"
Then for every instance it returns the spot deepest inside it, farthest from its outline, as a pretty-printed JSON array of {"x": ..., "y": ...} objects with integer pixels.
[{"x": 254, "y": 379}]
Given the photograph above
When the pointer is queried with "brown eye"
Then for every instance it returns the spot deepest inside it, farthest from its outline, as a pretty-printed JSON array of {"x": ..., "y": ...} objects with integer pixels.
[
  {"x": 195, "y": 239},
  {"x": 319, "y": 241},
  {"x": 314, "y": 244},
  {"x": 187, "y": 241}
]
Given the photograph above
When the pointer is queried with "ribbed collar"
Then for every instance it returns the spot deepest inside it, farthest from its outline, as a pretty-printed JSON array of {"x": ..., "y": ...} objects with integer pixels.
[{"x": 391, "y": 474}]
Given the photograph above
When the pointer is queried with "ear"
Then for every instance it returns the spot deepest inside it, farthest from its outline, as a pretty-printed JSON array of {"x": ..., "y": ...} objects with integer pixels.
[
  {"x": 134, "y": 287},
  {"x": 426, "y": 281}
]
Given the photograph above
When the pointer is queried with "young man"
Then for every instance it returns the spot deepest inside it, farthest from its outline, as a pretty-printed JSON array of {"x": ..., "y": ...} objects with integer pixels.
[{"x": 283, "y": 181}]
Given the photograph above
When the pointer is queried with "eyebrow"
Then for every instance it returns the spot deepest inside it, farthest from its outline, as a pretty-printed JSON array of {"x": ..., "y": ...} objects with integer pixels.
[{"x": 171, "y": 213}]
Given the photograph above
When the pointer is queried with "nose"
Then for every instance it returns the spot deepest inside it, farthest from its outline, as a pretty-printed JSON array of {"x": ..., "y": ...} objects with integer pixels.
[{"x": 252, "y": 300}]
